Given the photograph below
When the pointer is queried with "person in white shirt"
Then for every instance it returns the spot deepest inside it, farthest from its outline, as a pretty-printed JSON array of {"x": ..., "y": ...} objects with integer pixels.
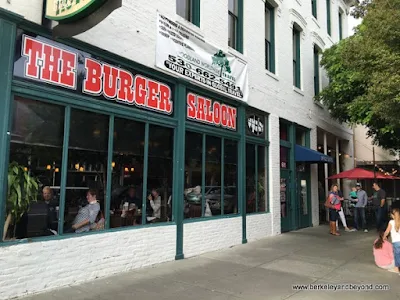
[
  {"x": 155, "y": 203},
  {"x": 394, "y": 229}
]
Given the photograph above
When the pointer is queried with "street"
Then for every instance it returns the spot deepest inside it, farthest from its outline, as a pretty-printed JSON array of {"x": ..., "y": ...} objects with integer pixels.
[{"x": 265, "y": 269}]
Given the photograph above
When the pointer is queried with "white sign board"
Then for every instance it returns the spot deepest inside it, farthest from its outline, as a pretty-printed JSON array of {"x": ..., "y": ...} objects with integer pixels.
[{"x": 185, "y": 54}]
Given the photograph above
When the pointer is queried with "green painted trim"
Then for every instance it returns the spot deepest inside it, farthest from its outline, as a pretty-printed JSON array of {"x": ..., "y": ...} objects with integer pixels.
[
  {"x": 328, "y": 16},
  {"x": 292, "y": 167},
  {"x": 308, "y": 142},
  {"x": 179, "y": 170},
  {"x": 314, "y": 9},
  {"x": 239, "y": 32},
  {"x": 340, "y": 26},
  {"x": 203, "y": 174},
  {"x": 222, "y": 175},
  {"x": 272, "y": 34},
  {"x": 257, "y": 141},
  {"x": 196, "y": 220},
  {"x": 7, "y": 43},
  {"x": 298, "y": 59},
  {"x": 72, "y": 236},
  {"x": 110, "y": 153},
  {"x": 62, "y": 97},
  {"x": 64, "y": 169},
  {"x": 256, "y": 176},
  {"x": 242, "y": 174},
  {"x": 316, "y": 71},
  {"x": 145, "y": 172},
  {"x": 286, "y": 144},
  {"x": 86, "y": 10},
  {"x": 210, "y": 130},
  {"x": 196, "y": 12}
]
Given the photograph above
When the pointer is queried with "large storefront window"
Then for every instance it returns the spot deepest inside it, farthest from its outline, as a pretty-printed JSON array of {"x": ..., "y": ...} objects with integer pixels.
[
  {"x": 127, "y": 174},
  {"x": 36, "y": 146},
  {"x": 87, "y": 171},
  {"x": 218, "y": 194},
  {"x": 256, "y": 163}
]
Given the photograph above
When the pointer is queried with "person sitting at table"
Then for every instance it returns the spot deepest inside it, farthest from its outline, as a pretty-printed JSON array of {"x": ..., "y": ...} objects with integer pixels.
[
  {"x": 131, "y": 198},
  {"x": 155, "y": 203},
  {"x": 51, "y": 205},
  {"x": 86, "y": 215}
]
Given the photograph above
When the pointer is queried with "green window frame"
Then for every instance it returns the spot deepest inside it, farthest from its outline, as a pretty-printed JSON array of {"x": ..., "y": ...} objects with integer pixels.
[
  {"x": 189, "y": 10},
  {"x": 316, "y": 71},
  {"x": 314, "y": 9},
  {"x": 328, "y": 17},
  {"x": 269, "y": 37},
  {"x": 296, "y": 58},
  {"x": 235, "y": 25},
  {"x": 340, "y": 25}
]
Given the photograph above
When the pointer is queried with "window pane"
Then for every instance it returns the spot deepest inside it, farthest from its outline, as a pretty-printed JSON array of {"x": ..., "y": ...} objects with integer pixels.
[
  {"x": 193, "y": 173},
  {"x": 127, "y": 175},
  {"x": 262, "y": 179},
  {"x": 300, "y": 137},
  {"x": 36, "y": 146},
  {"x": 233, "y": 6},
  {"x": 267, "y": 24},
  {"x": 283, "y": 131},
  {"x": 159, "y": 176},
  {"x": 213, "y": 176},
  {"x": 87, "y": 169},
  {"x": 232, "y": 23},
  {"x": 230, "y": 177},
  {"x": 284, "y": 154},
  {"x": 183, "y": 9},
  {"x": 250, "y": 178}
]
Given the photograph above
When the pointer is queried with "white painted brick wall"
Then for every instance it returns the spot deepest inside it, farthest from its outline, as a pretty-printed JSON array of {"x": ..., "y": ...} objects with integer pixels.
[
  {"x": 35, "y": 267},
  {"x": 29, "y": 9},
  {"x": 258, "y": 226},
  {"x": 211, "y": 235}
]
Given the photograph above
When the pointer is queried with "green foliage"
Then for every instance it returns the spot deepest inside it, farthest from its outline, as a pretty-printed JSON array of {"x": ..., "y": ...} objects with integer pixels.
[
  {"x": 364, "y": 73},
  {"x": 22, "y": 190}
]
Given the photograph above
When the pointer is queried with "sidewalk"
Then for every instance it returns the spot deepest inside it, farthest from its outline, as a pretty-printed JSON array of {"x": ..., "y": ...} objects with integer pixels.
[{"x": 265, "y": 269}]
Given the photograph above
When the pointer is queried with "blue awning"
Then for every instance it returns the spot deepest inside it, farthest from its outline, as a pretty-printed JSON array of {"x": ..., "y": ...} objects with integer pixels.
[{"x": 304, "y": 154}]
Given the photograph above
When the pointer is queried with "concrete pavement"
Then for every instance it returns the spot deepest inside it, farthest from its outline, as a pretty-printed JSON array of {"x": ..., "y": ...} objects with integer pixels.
[{"x": 265, "y": 269}]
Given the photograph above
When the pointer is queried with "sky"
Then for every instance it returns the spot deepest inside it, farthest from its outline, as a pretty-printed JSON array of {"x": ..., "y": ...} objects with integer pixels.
[{"x": 352, "y": 23}]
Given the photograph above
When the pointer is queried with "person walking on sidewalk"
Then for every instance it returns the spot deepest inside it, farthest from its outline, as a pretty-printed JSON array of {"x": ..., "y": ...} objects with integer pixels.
[
  {"x": 359, "y": 210},
  {"x": 333, "y": 204},
  {"x": 380, "y": 206},
  {"x": 393, "y": 229},
  {"x": 341, "y": 214}
]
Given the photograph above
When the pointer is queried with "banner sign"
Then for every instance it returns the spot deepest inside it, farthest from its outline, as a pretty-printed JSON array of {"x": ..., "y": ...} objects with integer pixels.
[
  {"x": 45, "y": 61},
  {"x": 183, "y": 53},
  {"x": 211, "y": 112}
]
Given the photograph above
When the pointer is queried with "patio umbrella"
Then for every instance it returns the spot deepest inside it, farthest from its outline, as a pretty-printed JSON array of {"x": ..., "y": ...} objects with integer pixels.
[{"x": 359, "y": 173}]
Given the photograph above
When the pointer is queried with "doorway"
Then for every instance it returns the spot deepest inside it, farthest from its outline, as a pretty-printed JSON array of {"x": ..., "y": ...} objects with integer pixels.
[{"x": 286, "y": 215}]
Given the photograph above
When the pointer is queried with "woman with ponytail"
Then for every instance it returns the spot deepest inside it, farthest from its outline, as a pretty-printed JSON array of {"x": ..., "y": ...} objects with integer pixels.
[
  {"x": 383, "y": 253},
  {"x": 394, "y": 230}
]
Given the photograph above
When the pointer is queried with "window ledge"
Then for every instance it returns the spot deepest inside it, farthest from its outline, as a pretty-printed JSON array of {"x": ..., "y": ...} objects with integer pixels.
[
  {"x": 315, "y": 22},
  {"x": 238, "y": 54},
  {"x": 272, "y": 75},
  {"x": 330, "y": 38},
  {"x": 257, "y": 213},
  {"x": 213, "y": 218},
  {"x": 298, "y": 91}
]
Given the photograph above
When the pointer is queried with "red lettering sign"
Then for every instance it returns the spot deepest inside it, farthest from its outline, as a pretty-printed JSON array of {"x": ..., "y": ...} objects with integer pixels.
[
  {"x": 204, "y": 110},
  {"x": 49, "y": 63},
  {"x": 54, "y": 65}
]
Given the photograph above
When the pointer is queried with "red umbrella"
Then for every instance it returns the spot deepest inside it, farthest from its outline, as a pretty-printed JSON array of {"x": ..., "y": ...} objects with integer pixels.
[{"x": 358, "y": 173}]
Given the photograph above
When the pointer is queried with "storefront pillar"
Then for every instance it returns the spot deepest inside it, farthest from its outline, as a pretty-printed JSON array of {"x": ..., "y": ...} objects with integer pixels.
[
  {"x": 179, "y": 167},
  {"x": 7, "y": 42},
  {"x": 337, "y": 160},
  {"x": 326, "y": 171},
  {"x": 242, "y": 169},
  {"x": 293, "y": 177}
]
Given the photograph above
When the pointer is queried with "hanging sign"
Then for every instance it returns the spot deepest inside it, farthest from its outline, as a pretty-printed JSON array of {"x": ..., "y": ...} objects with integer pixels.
[
  {"x": 211, "y": 112},
  {"x": 70, "y": 10},
  {"x": 255, "y": 125},
  {"x": 185, "y": 54},
  {"x": 58, "y": 65}
]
